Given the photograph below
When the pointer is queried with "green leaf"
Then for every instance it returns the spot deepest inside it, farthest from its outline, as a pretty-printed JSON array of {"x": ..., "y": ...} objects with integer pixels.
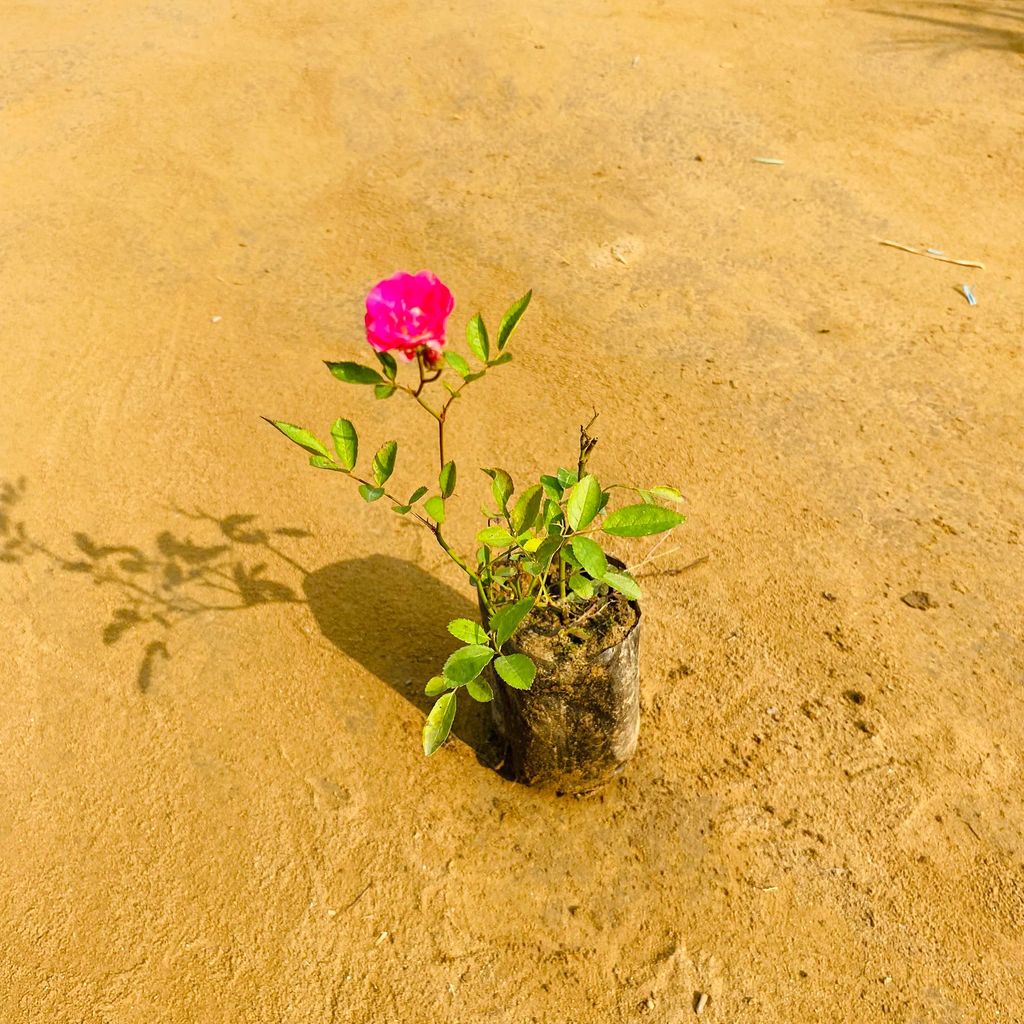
[
  {"x": 511, "y": 318},
  {"x": 434, "y": 507},
  {"x": 505, "y": 622},
  {"x": 438, "y": 685},
  {"x": 553, "y": 519},
  {"x": 467, "y": 663},
  {"x": 501, "y": 487},
  {"x": 590, "y": 556},
  {"x": 446, "y": 479},
  {"x": 319, "y": 462},
  {"x": 467, "y": 631},
  {"x": 401, "y": 509},
  {"x": 384, "y": 462},
  {"x": 384, "y": 390},
  {"x": 371, "y": 493},
  {"x": 302, "y": 437},
  {"x": 567, "y": 477},
  {"x": 439, "y": 723},
  {"x": 495, "y": 537},
  {"x": 457, "y": 363},
  {"x": 667, "y": 494},
  {"x": 584, "y": 501},
  {"x": 570, "y": 559},
  {"x": 545, "y": 552},
  {"x": 641, "y": 521},
  {"x": 505, "y": 357},
  {"x": 476, "y": 338},
  {"x": 346, "y": 442},
  {"x": 387, "y": 362},
  {"x": 355, "y": 373},
  {"x": 623, "y": 583},
  {"x": 527, "y": 508},
  {"x": 479, "y": 689},
  {"x": 552, "y": 487},
  {"x": 517, "y": 670},
  {"x": 416, "y": 495},
  {"x": 580, "y": 585}
]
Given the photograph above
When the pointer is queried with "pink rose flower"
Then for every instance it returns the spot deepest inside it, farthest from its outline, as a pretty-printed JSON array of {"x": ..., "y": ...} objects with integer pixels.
[{"x": 407, "y": 313}]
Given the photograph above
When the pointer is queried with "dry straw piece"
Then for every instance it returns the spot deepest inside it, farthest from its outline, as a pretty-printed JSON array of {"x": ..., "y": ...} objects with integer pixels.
[{"x": 931, "y": 254}]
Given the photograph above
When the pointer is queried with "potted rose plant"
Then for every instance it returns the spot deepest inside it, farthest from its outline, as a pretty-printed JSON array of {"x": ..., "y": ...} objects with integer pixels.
[{"x": 556, "y": 649}]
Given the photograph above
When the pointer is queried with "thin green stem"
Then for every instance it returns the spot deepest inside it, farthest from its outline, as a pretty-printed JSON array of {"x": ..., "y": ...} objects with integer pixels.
[
  {"x": 419, "y": 367},
  {"x": 484, "y": 600},
  {"x": 453, "y": 555},
  {"x": 561, "y": 584},
  {"x": 441, "y": 415},
  {"x": 366, "y": 483},
  {"x": 434, "y": 528},
  {"x": 419, "y": 399},
  {"x": 542, "y": 591}
]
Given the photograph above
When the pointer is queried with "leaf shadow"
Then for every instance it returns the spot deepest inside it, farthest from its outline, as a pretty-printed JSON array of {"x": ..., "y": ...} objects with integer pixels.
[
  {"x": 960, "y": 24},
  {"x": 387, "y": 614}
]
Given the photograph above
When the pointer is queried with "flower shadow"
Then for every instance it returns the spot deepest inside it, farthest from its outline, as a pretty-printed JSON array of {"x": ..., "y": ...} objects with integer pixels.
[
  {"x": 391, "y": 617},
  {"x": 385, "y": 613}
]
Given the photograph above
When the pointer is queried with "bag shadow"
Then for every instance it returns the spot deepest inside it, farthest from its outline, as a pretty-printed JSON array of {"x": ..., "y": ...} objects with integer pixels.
[{"x": 391, "y": 617}]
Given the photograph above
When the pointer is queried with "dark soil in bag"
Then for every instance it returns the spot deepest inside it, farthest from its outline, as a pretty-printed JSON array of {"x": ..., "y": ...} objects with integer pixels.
[{"x": 578, "y": 725}]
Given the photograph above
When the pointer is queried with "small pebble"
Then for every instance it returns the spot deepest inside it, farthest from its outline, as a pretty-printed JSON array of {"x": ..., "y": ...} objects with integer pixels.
[
  {"x": 215, "y": 319},
  {"x": 918, "y": 599},
  {"x": 700, "y": 1003}
]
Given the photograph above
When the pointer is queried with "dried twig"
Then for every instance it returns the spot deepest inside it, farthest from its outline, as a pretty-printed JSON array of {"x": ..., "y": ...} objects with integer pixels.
[
  {"x": 594, "y": 609},
  {"x": 362, "y": 893},
  {"x": 931, "y": 254},
  {"x": 651, "y": 553}
]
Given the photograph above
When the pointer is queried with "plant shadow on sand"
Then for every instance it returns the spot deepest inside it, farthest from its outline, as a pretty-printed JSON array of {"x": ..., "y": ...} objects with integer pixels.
[
  {"x": 961, "y": 25},
  {"x": 362, "y": 605}
]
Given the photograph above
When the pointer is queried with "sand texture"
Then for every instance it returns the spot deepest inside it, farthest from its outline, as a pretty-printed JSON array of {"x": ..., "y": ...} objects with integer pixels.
[{"x": 213, "y": 803}]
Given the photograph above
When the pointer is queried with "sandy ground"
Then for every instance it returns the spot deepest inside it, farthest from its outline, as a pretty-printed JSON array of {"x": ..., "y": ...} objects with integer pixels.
[{"x": 214, "y": 807}]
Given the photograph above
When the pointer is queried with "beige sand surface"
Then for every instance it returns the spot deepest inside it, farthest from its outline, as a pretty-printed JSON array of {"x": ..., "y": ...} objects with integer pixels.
[{"x": 213, "y": 807}]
